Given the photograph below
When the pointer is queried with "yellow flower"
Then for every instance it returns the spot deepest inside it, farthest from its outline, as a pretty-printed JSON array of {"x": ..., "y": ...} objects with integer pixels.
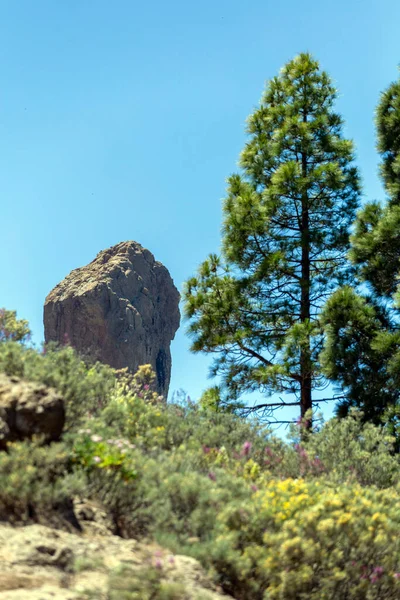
[
  {"x": 326, "y": 525},
  {"x": 344, "y": 518},
  {"x": 378, "y": 517}
]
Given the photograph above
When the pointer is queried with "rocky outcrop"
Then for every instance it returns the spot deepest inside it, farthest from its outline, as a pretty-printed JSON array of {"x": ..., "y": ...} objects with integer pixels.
[
  {"x": 40, "y": 563},
  {"x": 121, "y": 309},
  {"x": 28, "y": 409}
]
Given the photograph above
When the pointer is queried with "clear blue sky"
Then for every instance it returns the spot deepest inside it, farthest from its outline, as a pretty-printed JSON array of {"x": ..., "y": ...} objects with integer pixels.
[{"x": 121, "y": 120}]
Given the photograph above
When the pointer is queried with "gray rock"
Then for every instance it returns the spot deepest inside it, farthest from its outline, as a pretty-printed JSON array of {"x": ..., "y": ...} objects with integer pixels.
[
  {"x": 40, "y": 563},
  {"x": 28, "y": 409},
  {"x": 121, "y": 309}
]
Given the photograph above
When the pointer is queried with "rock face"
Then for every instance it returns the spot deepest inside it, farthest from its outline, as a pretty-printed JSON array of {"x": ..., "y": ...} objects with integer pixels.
[
  {"x": 121, "y": 309},
  {"x": 27, "y": 409}
]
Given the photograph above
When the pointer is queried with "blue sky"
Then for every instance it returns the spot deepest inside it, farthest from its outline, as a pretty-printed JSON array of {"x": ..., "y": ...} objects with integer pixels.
[{"x": 121, "y": 120}]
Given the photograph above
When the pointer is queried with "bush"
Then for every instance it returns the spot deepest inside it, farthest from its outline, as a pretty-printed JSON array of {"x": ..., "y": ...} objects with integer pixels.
[
  {"x": 158, "y": 494},
  {"x": 340, "y": 450},
  {"x": 85, "y": 388},
  {"x": 143, "y": 584},
  {"x": 156, "y": 425},
  {"x": 110, "y": 471},
  {"x": 37, "y": 483},
  {"x": 307, "y": 540},
  {"x": 349, "y": 449}
]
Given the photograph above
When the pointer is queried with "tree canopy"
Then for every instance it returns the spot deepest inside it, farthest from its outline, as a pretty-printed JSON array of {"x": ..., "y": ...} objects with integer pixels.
[
  {"x": 362, "y": 353},
  {"x": 13, "y": 329}
]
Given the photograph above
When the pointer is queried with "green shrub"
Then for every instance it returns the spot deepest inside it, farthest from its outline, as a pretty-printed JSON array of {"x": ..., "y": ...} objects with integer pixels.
[
  {"x": 143, "y": 584},
  {"x": 156, "y": 425},
  {"x": 340, "y": 450},
  {"x": 162, "y": 494},
  {"x": 36, "y": 482},
  {"x": 110, "y": 471},
  {"x": 88, "y": 563},
  {"x": 85, "y": 388},
  {"x": 349, "y": 449}
]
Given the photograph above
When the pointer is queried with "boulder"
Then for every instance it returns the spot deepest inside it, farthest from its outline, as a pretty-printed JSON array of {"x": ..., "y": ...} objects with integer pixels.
[
  {"x": 121, "y": 309},
  {"x": 28, "y": 409}
]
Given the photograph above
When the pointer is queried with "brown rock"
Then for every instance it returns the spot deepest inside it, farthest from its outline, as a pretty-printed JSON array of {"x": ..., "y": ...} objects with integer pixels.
[
  {"x": 27, "y": 409},
  {"x": 121, "y": 309}
]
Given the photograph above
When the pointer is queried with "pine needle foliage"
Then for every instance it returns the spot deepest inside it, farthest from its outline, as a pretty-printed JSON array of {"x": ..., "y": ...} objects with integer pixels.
[
  {"x": 285, "y": 237},
  {"x": 362, "y": 352}
]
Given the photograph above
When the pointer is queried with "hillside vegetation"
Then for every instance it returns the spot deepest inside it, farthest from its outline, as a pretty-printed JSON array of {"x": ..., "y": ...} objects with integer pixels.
[{"x": 315, "y": 517}]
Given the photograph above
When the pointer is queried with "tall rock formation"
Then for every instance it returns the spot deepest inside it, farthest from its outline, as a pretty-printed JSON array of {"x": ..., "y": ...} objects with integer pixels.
[{"x": 121, "y": 309}]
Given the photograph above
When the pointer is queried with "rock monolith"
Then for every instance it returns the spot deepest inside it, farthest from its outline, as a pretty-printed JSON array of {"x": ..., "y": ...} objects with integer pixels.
[{"x": 121, "y": 309}]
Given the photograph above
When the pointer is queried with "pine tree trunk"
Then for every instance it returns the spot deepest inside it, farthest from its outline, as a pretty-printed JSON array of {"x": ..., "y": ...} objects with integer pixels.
[{"x": 305, "y": 353}]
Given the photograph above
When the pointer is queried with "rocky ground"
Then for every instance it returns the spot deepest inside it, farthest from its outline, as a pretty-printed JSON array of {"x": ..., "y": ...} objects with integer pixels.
[{"x": 41, "y": 563}]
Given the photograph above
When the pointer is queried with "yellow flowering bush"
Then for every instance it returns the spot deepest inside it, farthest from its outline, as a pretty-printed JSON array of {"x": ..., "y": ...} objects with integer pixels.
[{"x": 298, "y": 539}]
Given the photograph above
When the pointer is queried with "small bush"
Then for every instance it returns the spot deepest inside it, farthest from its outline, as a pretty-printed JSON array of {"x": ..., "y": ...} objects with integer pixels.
[
  {"x": 86, "y": 563},
  {"x": 37, "y": 483},
  {"x": 340, "y": 450},
  {"x": 143, "y": 584},
  {"x": 349, "y": 449}
]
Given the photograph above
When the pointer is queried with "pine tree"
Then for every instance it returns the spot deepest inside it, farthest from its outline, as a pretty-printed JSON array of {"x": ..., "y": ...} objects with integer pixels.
[
  {"x": 388, "y": 132},
  {"x": 285, "y": 238},
  {"x": 13, "y": 329},
  {"x": 362, "y": 352}
]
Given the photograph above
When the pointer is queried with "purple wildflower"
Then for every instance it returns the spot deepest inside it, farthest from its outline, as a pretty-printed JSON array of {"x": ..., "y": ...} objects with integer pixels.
[
  {"x": 376, "y": 574},
  {"x": 246, "y": 448}
]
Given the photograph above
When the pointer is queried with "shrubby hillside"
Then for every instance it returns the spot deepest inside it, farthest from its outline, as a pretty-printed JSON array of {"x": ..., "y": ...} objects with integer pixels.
[{"x": 316, "y": 517}]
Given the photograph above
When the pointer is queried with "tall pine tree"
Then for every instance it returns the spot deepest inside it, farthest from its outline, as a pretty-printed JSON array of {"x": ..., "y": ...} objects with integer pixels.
[
  {"x": 362, "y": 352},
  {"x": 285, "y": 238}
]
